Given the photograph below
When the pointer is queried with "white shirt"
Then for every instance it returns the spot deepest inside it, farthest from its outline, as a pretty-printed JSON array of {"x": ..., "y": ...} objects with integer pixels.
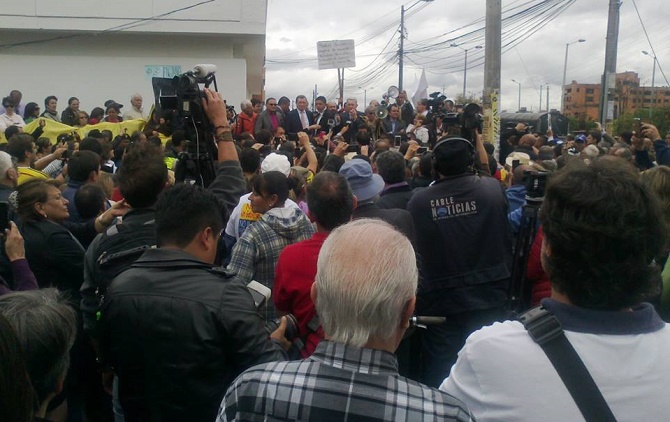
[
  {"x": 134, "y": 113},
  {"x": 13, "y": 120},
  {"x": 243, "y": 216},
  {"x": 503, "y": 375}
]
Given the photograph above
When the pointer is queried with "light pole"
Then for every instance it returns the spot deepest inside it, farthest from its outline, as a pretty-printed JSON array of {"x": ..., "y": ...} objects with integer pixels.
[
  {"x": 519, "y": 107},
  {"x": 465, "y": 63},
  {"x": 653, "y": 80},
  {"x": 565, "y": 71},
  {"x": 365, "y": 95},
  {"x": 401, "y": 49}
]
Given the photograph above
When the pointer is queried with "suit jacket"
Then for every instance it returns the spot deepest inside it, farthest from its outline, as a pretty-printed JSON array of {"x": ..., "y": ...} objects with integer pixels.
[
  {"x": 293, "y": 123},
  {"x": 263, "y": 121},
  {"x": 323, "y": 122},
  {"x": 400, "y": 219},
  {"x": 407, "y": 113},
  {"x": 388, "y": 126},
  {"x": 350, "y": 136},
  {"x": 395, "y": 197}
]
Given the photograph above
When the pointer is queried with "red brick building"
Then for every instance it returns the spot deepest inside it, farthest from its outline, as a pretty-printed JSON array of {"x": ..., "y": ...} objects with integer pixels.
[{"x": 583, "y": 100}]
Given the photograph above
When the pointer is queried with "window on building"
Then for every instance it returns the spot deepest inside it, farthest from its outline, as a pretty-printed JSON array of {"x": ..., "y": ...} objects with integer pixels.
[
  {"x": 569, "y": 90},
  {"x": 577, "y": 89},
  {"x": 667, "y": 93},
  {"x": 647, "y": 100},
  {"x": 589, "y": 99},
  {"x": 589, "y": 90},
  {"x": 647, "y": 92}
]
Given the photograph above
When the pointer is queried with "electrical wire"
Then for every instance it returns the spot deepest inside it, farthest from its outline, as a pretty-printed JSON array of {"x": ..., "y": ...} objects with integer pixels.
[
  {"x": 135, "y": 23},
  {"x": 651, "y": 46}
]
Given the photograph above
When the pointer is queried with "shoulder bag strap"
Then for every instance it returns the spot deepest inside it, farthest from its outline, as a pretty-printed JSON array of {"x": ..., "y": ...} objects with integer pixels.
[{"x": 548, "y": 333}]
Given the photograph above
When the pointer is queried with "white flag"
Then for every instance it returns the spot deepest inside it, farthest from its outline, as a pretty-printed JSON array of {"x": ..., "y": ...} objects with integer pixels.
[{"x": 421, "y": 88}]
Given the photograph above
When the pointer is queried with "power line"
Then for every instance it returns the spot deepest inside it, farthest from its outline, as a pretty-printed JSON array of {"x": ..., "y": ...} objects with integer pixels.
[
  {"x": 651, "y": 46},
  {"x": 118, "y": 28}
]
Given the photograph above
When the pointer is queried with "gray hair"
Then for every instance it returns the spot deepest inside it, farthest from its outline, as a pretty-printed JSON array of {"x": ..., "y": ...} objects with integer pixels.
[
  {"x": 359, "y": 300},
  {"x": 135, "y": 95},
  {"x": 46, "y": 326},
  {"x": 6, "y": 163},
  {"x": 244, "y": 104},
  {"x": 352, "y": 99}
]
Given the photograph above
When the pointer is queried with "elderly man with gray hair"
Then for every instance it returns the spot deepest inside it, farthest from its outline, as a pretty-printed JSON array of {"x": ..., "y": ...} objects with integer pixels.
[
  {"x": 246, "y": 120},
  {"x": 135, "y": 111},
  {"x": 364, "y": 306},
  {"x": 46, "y": 327}
]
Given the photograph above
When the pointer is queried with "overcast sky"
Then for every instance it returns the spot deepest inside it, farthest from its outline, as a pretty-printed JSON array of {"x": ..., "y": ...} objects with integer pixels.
[{"x": 294, "y": 27}]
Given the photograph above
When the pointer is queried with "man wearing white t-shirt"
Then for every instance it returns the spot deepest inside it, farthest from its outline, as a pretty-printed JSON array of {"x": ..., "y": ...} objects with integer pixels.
[{"x": 602, "y": 230}]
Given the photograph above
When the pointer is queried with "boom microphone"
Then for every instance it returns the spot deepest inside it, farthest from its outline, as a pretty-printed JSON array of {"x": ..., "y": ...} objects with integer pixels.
[{"x": 203, "y": 70}]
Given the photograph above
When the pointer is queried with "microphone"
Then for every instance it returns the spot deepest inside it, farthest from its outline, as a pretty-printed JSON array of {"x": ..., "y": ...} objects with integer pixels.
[
  {"x": 423, "y": 321},
  {"x": 203, "y": 70}
]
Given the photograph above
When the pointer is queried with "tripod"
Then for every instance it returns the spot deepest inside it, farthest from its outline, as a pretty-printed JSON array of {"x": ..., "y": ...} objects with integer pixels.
[{"x": 519, "y": 294}]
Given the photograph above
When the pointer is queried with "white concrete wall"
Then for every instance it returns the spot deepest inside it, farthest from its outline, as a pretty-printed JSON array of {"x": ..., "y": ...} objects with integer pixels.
[
  {"x": 57, "y": 53},
  {"x": 215, "y": 17}
]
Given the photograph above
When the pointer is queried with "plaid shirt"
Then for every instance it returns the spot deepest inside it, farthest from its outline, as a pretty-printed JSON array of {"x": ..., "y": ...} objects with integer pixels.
[
  {"x": 336, "y": 383},
  {"x": 255, "y": 255}
]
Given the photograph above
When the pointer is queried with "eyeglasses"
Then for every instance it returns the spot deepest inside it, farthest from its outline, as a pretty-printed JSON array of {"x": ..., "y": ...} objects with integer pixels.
[{"x": 272, "y": 104}]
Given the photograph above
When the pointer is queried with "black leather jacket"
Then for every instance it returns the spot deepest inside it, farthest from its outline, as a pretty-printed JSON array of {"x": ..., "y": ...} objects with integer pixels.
[{"x": 177, "y": 332}]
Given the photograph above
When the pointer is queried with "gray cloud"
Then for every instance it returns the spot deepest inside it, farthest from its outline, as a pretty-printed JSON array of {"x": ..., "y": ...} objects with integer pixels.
[{"x": 295, "y": 26}]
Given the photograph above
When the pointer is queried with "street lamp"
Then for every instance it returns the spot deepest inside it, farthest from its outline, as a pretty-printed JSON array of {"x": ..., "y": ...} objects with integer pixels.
[
  {"x": 565, "y": 71},
  {"x": 465, "y": 63},
  {"x": 365, "y": 95},
  {"x": 401, "y": 50},
  {"x": 519, "y": 107},
  {"x": 653, "y": 79}
]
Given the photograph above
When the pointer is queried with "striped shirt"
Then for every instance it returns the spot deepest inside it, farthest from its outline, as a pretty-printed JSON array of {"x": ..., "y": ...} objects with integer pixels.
[{"x": 336, "y": 383}]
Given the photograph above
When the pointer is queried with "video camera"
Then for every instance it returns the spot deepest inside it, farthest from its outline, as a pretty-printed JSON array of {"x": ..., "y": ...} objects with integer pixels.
[
  {"x": 469, "y": 121},
  {"x": 182, "y": 97}
]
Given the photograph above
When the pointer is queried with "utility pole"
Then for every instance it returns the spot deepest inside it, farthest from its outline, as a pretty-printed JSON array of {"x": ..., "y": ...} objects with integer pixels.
[
  {"x": 401, "y": 50},
  {"x": 547, "y": 98},
  {"x": 493, "y": 37},
  {"x": 519, "y": 106},
  {"x": 610, "y": 60}
]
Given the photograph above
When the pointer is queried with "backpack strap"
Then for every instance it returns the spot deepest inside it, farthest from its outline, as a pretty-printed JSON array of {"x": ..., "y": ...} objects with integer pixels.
[{"x": 545, "y": 329}]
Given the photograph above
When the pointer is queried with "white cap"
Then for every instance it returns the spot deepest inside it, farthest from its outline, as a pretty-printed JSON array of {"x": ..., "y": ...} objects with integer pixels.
[{"x": 276, "y": 162}]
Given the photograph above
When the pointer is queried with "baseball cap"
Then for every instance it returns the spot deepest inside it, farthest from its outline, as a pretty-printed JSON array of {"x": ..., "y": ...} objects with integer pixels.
[
  {"x": 364, "y": 183},
  {"x": 580, "y": 138},
  {"x": 276, "y": 162}
]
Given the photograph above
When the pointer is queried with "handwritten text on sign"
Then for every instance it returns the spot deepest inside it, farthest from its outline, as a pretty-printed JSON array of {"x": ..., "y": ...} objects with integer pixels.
[{"x": 336, "y": 54}]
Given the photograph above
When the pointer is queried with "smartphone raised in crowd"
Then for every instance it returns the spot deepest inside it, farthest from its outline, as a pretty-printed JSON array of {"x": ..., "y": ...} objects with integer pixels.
[{"x": 4, "y": 217}]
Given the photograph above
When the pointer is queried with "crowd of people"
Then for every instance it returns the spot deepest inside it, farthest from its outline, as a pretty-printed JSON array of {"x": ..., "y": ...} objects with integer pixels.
[{"x": 285, "y": 289}]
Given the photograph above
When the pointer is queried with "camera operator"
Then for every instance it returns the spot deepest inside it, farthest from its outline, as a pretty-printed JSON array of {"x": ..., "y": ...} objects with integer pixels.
[
  {"x": 141, "y": 179},
  {"x": 466, "y": 249},
  {"x": 364, "y": 307}
]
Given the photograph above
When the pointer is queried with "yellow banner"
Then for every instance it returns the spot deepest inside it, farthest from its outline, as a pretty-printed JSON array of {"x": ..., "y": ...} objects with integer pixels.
[{"x": 52, "y": 128}]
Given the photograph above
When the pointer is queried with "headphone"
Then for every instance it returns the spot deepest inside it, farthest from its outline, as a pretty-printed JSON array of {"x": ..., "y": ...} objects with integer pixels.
[{"x": 471, "y": 149}]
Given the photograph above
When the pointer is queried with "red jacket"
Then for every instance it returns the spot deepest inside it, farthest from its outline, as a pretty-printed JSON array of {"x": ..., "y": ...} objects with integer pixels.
[
  {"x": 245, "y": 124},
  {"x": 294, "y": 276}
]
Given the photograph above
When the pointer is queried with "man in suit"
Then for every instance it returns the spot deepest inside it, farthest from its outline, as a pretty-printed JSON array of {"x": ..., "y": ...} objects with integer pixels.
[
  {"x": 271, "y": 118},
  {"x": 352, "y": 118},
  {"x": 366, "y": 187},
  {"x": 322, "y": 115},
  {"x": 406, "y": 109},
  {"x": 300, "y": 119},
  {"x": 392, "y": 123}
]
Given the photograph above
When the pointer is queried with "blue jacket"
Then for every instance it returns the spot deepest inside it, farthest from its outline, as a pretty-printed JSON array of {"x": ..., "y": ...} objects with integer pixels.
[{"x": 516, "y": 196}]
